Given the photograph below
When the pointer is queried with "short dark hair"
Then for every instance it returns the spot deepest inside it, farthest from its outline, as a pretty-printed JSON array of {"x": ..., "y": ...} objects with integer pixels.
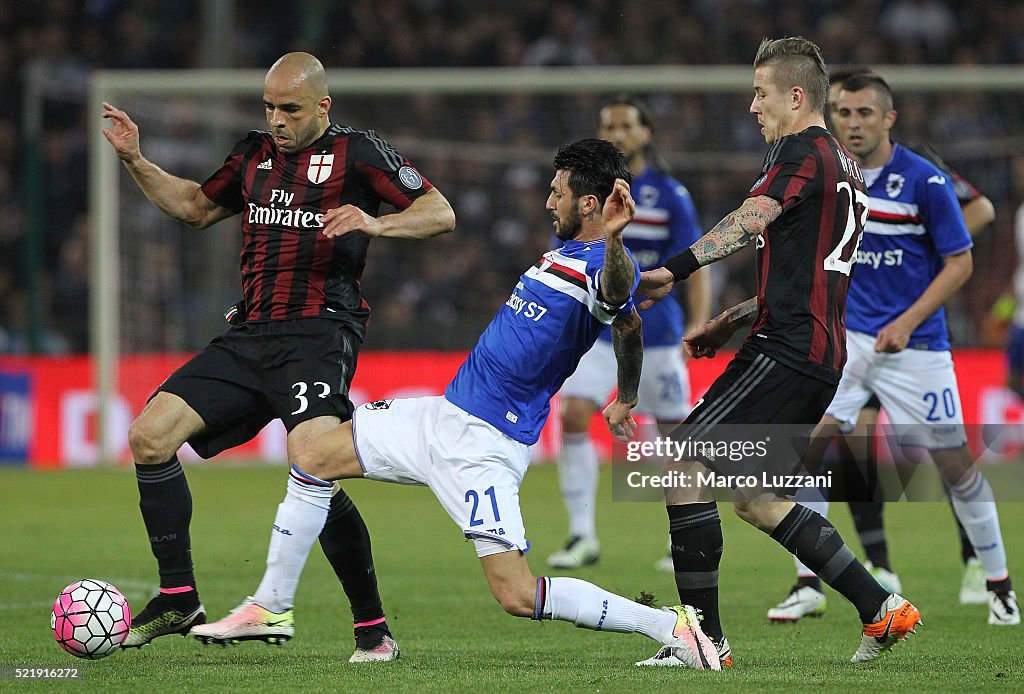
[
  {"x": 801, "y": 65},
  {"x": 864, "y": 80},
  {"x": 593, "y": 166},
  {"x": 839, "y": 74}
]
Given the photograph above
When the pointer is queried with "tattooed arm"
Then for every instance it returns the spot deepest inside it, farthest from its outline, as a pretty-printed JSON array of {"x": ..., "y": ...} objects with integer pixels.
[
  {"x": 628, "y": 343},
  {"x": 618, "y": 273},
  {"x": 735, "y": 231}
]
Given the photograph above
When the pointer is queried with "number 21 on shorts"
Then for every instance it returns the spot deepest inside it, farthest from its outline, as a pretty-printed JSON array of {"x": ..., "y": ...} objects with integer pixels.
[{"x": 473, "y": 498}]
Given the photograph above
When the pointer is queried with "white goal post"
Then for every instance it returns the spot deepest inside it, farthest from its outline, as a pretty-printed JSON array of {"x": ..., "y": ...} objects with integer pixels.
[{"x": 105, "y": 176}]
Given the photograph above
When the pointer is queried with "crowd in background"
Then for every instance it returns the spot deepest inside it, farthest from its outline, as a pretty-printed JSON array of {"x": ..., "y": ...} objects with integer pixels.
[{"x": 457, "y": 282}]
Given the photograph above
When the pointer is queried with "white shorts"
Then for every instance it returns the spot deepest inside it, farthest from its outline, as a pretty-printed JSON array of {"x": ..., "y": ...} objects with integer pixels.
[
  {"x": 473, "y": 469},
  {"x": 917, "y": 389},
  {"x": 664, "y": 382}
]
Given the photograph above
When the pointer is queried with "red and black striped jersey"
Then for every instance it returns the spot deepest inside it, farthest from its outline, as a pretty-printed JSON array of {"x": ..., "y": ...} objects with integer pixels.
[
  {"x": 290, "y": 269},
  {"x": 805, "y": 257}
]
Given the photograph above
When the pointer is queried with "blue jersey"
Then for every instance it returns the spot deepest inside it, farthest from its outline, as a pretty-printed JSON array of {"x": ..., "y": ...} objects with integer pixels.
[
  {"x": 536, "y": 340},
  {"x": 914, "y": 221},
  {"x": 665, "y": 224}
]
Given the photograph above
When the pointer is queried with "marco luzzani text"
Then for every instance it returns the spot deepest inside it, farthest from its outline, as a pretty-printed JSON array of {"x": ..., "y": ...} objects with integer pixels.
[{"x": 670, "y": 450}]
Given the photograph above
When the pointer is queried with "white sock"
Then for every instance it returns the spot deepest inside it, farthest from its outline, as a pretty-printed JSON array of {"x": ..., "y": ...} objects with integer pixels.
[
  {"x": 577, "y": 473},
  {"x": 975, "y": 507},
  {"x": 590, "y": 607},
  {"x": 814, "y": 499},
  {"x": 300, "y": 518}
]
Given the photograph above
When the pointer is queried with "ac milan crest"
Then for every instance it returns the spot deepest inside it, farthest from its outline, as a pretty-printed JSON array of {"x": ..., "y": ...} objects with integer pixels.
[{"x": 319, "y": 169}]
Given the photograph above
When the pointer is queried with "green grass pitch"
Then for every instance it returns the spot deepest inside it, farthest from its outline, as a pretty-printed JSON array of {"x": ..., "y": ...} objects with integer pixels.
[{"x": 61, "y": 526}]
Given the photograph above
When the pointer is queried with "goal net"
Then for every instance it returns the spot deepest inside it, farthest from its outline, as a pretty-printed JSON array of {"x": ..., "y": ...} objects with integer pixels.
[{"x": 485, "y": 137}]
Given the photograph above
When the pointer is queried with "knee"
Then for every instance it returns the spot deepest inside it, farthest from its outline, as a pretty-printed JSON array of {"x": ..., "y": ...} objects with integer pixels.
[
  {"x": 304, "y": 458},
  {"x": 752, "y": 513},
  {"x": 146, "y": 445},
  {"x": 301, "y": 458},
  {"x": 743, "y": 510},
  {"x": 954, "y": 464},
  {"x": 576, "y": 414}
]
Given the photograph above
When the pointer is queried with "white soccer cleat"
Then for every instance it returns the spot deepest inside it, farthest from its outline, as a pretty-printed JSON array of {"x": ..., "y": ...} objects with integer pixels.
[
  {"x": 386, "y": 651},
  {"x": 887, "y": 579},
  {"x": 248, "y": 622},
  {"x": 690, "y": 647},
  {"x": 577, "y": 553},
  {"x": 897, "y": 620},
  {"x": 663, "y": 658},
  {"x": 802, "y": 601},
  {"x": 1003, "y": 609},
  {"x": 972, "y": 585}
]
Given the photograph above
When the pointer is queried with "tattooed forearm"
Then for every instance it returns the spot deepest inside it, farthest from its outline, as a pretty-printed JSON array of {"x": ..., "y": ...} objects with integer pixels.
[
  {"x": 742, "y": 314},
  {"x": 617, "y": 278},
  {"x": 737, "y": 229},
  {"x": 628, "y": 343}
]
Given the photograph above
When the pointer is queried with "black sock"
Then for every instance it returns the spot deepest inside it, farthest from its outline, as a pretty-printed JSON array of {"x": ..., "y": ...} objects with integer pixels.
[
  {"x": 870, "y": 524},
  {"x": 166, "y": 505},
  {"x": 809, "y": 582},
  {"x": 1002, "y": 586},
  {"x": 696, "y": 532},
  {"x": 346, "y": 544},
  {"x": 818, "y": 544}
]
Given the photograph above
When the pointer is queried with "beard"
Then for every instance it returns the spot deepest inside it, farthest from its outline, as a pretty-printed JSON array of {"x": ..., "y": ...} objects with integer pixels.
[{"x": 569, "y": 228}]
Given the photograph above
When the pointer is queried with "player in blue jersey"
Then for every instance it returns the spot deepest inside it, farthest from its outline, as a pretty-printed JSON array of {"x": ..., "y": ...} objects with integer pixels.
[
  {"x": 665, "y": 223},
  {"x": 857, "y": 459},
  {"x": 915, "y": 254},
  {"x": 471, "y": 446}
]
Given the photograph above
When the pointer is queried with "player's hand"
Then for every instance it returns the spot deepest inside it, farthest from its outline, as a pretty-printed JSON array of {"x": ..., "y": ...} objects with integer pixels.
[
  {"x": 619, "y": 209},
  {"x": 682, "y": 347},
  {"x": 618, "y": 417},
  {"x": 893, "y": 338},
  {"x": 654, "y": 285},
  {"x": 125, "y": 134},
  {"x": 347, "y": 218},
  {"x": 706, "y": 339}
]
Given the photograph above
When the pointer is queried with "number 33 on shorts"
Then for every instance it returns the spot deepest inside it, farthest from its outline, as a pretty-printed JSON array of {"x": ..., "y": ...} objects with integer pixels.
[{"x": 301, "y": 388}]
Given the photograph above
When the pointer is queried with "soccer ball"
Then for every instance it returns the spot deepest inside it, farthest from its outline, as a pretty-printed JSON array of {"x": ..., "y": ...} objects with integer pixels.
[{"x": 90, "y": 619}]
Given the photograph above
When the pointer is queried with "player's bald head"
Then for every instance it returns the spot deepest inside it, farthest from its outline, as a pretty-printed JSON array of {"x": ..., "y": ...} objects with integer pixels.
[{"x": 301, "y": 71}]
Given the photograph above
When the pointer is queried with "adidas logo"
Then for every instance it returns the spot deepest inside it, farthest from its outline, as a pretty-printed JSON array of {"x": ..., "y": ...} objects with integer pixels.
[
  {"x": 823, "y": 536},
  {"x": 267, "y": 165}
]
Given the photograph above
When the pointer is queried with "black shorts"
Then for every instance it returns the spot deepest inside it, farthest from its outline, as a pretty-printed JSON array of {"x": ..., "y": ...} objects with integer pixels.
[
  {"x": 756, "y": 419},
  {"x": 292, "y": 370}
]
